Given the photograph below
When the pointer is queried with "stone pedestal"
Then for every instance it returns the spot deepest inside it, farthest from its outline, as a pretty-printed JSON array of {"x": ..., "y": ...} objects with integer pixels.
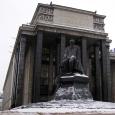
[{"x": 73, "y": 87}]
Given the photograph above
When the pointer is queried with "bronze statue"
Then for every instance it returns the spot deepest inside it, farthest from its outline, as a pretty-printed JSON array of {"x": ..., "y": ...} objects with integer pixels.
[{"x": 71, "y": 62}]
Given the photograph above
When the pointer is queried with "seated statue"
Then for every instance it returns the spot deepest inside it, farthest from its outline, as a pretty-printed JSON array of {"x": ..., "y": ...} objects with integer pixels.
[{"x": 71, "y": 62}]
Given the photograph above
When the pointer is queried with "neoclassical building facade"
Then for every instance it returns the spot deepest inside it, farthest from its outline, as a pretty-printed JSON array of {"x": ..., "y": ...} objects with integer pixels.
[{"x": 39, "y": 48}]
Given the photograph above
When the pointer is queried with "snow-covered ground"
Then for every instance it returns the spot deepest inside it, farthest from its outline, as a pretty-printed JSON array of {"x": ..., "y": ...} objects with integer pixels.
[{"x": 64, "y": 106}]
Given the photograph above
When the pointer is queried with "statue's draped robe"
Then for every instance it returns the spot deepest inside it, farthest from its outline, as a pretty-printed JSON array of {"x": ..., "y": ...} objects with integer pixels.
[{"x": 73, "y": 51}]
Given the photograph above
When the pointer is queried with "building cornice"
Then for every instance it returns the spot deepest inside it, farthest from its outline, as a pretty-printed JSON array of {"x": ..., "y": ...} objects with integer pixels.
[
  {"x": 71, "y": 31},
  {"x": 32, "y": 29}
]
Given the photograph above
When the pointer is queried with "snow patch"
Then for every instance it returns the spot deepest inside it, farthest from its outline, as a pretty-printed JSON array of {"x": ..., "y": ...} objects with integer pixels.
[{"x": 64, "y": 106}]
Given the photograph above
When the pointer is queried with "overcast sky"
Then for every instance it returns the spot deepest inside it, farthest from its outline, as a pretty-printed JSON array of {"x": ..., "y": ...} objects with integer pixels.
[{"x": 14, "y": 13}]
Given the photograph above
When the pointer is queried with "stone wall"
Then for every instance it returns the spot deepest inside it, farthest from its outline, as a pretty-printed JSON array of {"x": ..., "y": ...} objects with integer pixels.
[
  {"x": 8, "y": 86},
  {"x": 27, "y": 94},
  {"x": 73, "y": 19}
]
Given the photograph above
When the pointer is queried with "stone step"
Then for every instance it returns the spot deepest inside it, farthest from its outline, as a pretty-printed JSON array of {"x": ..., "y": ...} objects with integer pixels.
[{"x": 67, "y": 112}]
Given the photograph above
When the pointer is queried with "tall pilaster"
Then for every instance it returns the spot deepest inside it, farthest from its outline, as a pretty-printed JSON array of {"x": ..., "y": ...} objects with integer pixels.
[
  {"x": 28, "y": 74},
  {"x": 20, "y": 73},
  {"x": 14, "y": 90},
  {"x": 37, "y": 67},
  {"x": 62, "y": 46},
  {"x": 104, "y": 71},
  {"x": 50, "y": 77},
  {"x": 109, "y": 82},
  {"x": 84, "y": 55},
  {"x": 98, "y": 74},
  {"x": 58, "y": 59}
]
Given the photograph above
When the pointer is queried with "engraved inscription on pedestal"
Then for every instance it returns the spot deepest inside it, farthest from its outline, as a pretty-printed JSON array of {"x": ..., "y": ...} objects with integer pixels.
[{"x": 46, "y": 14}]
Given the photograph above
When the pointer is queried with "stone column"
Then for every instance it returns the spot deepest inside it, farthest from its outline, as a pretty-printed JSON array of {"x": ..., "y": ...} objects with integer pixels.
[
  {"x": 20, "y": 74},
  {"x": 31, "y": 73},
  {"x": 50, "y": 77},
  {"x": 58, "y": 59},
  {"x": 28, "y": 76},
  {"x": 104, "y": 70},
  {"x": 14, "y": 89},
  {"x": 84, "y": 55},
  {"x": 98, "y": 74},
  {"x": 62, "y": 46},
  {"x": 109, "y": 82},
  {"x": 37, "y": 67},
  {"x": 14, "y": 82},
  {"x": 113, "y": 79}
]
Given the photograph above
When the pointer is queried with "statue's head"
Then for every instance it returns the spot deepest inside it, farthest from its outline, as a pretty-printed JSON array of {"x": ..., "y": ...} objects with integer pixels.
[{"x": 72, "y": 42}]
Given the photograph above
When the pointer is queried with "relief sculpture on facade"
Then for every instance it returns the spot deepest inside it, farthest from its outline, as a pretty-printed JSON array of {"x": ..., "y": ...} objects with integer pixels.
[
  {"x": 98, "y": 23},
  {"x": 46, "y": 14}
]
